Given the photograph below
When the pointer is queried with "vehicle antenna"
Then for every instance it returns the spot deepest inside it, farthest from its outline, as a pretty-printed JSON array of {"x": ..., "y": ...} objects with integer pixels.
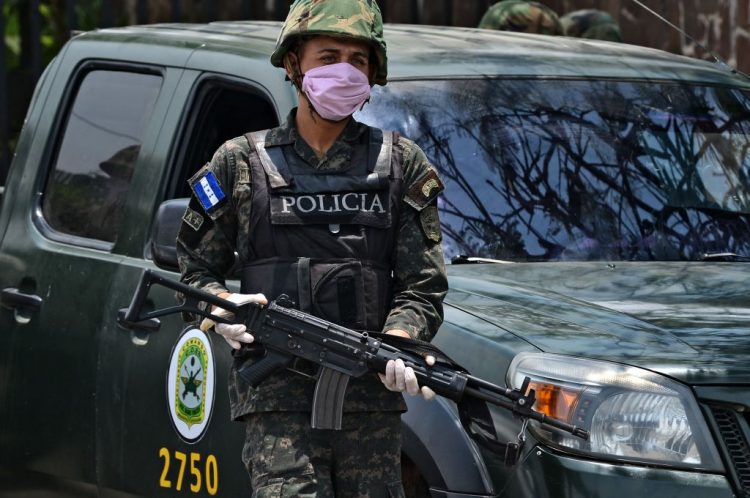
[{"x": 713, "y": 54}]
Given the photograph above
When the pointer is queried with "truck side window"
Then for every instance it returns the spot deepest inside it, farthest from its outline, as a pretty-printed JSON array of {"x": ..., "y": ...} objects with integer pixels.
[
  {"x": 95, "y": 159},
  {"x": 221, "y": 110}
]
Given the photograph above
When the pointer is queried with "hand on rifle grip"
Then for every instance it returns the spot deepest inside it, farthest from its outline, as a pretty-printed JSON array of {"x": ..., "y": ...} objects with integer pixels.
[{"x": 234, "y": 333}]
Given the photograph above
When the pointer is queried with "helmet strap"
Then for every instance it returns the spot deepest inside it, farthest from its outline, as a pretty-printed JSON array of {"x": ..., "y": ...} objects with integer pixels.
[
  {"x": 293, "y": 70},
  {"x": 291, "y": 64}
]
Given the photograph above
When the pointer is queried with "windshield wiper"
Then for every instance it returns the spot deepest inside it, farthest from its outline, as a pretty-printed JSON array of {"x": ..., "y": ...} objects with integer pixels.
[
  {"x": 724, "y": 256},
  {"x": 470, "y": 260}
]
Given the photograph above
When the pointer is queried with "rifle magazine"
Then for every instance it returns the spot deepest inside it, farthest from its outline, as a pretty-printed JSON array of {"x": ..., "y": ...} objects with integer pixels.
[{"x": 328, "y": 401}]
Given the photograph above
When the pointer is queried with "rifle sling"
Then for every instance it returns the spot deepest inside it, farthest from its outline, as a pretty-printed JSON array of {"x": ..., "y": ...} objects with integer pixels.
[{"x": 473, "y": 413}]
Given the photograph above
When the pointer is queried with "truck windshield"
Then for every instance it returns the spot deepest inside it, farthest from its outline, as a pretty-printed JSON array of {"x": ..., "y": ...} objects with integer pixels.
[{"x": 544, "y": 170}]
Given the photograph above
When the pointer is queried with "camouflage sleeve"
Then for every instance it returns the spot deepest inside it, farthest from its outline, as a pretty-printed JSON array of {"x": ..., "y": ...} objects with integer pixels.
[
  {"x": 205, "y": 248},
  {"x": 420, "y": 281}
]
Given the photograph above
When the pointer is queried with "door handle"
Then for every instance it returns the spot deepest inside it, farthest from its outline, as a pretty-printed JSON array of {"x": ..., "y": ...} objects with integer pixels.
[
  {"x": 152, "y": 324},
  {"x": 13, "y": 298}
]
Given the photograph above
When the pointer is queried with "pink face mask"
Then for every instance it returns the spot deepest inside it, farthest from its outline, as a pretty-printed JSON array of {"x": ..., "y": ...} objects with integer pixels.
[{"x": 336, "y": 91}]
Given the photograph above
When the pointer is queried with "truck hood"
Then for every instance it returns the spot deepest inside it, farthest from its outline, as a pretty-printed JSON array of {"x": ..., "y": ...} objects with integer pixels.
[{"x": 690, "y": 321}]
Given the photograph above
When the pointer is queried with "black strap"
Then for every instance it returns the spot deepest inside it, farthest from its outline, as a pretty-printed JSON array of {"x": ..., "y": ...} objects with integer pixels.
[
  {"x": 416, "y": 346},
  {"x": 474, "y": 413},
  {"x": 477, "y": 422},
  {"x": 303, "y": 285}
]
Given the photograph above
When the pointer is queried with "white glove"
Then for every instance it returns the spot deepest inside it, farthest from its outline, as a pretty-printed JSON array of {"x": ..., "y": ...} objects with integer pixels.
[
  {"x": 234, "y": 334},
  {"x": 399, "y": 378}
]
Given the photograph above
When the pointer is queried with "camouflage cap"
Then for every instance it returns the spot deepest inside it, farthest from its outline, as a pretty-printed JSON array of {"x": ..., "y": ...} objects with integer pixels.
[
  {"x": 591, "y": 23},
  {"x": 357, "y": 19},
  {"x": 522, "y": 16}
]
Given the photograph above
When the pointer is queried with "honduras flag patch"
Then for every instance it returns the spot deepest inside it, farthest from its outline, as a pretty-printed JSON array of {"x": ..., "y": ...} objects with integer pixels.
[{"x": 208, "y": 191}]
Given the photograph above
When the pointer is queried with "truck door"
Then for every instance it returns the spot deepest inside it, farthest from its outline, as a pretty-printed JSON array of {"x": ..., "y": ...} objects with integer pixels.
[
  {"x": 63, "y": 240},
  {"x": 167, "y": 429}
]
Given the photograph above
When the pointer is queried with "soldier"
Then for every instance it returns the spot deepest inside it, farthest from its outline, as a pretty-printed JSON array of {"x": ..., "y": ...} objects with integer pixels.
[
  {"x": 522, "y": 16},
  {"x": 343, "y": 219},
  {"x": 591, "y": 23}
]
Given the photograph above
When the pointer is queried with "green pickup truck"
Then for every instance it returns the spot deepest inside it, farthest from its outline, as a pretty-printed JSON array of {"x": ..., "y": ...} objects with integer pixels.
[{"x": 596, "y": 217}]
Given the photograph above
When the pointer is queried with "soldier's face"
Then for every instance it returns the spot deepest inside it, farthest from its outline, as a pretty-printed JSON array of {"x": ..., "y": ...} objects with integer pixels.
[{"x": 324, "y": 50}]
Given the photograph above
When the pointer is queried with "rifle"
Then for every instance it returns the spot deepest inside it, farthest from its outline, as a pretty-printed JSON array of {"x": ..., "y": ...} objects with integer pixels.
[{"x": 342, "y": 353}]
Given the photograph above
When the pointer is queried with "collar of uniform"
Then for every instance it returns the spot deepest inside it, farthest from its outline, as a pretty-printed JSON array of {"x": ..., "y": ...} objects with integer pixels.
[
  {"x": 285, "y": 134},
  {"x": 336, "y": 158}
]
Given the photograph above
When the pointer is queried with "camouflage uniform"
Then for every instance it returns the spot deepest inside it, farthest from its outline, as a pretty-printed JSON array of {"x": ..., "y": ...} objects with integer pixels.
[
  {"x": 522, "y": 16},
  {"x": 284, "y": 456},
  {"x": 591, "y": 23},
  {"x": 364, "y": 450}
]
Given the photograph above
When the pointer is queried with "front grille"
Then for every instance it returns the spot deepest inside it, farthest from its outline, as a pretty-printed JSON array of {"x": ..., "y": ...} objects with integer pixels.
[{"x": 736, "y": 445}]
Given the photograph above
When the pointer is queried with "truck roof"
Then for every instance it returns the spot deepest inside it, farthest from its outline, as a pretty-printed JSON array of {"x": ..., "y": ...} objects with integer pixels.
[{"x": 417, "y": 51}]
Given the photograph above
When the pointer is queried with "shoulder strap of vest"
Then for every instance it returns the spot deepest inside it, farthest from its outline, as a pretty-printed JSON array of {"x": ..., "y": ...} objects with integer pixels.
[
  {"x": 383, "y": 163},
  {"x": 273, "y": 160}
]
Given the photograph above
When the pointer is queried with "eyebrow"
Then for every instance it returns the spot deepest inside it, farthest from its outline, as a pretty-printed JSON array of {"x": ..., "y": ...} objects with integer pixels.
[{"x": 338, "y": 51}]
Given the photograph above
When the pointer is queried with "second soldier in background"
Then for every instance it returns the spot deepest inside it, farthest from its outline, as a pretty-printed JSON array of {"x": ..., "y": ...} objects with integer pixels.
[{"x": 525, "y": 16}]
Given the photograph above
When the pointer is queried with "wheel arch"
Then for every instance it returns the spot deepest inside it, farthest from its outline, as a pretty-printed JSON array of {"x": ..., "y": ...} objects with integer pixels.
[{"x": 435, "y": 441}]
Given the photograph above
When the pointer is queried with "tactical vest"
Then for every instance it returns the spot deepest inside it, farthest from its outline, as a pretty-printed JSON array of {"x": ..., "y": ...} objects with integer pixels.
[{"x": 326, "y": 239}]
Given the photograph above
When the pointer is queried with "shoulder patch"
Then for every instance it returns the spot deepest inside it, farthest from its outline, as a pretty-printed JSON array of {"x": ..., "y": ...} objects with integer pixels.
[
  {"x": 430, "y": 223},
  {"x": 207, "y": 189},
  {"x": 193, "y": 219},
  {"x": 424, "y": 191}
]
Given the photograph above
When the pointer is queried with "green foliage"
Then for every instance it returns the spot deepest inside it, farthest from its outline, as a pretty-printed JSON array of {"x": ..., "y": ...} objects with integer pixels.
[
  {"x": 12, "y": 35},
  {"x": 87, "y": 14},
  {"x": 54, "y": 31},
  {"x": 52, "y": 26}
]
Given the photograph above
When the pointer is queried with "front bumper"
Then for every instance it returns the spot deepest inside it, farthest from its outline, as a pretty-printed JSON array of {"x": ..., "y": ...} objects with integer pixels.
[{"x": 546, "y": 474}]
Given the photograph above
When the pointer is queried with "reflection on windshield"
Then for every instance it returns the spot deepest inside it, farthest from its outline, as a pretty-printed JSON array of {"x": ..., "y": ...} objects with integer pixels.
[{"x": 539, "y": 170}]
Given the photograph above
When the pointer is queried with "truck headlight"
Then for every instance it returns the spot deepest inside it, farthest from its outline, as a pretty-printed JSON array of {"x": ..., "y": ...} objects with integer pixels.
[{"x": 632, "y": 414}]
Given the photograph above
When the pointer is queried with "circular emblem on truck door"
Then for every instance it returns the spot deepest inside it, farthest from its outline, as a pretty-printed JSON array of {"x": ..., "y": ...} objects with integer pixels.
[{"x": 190, "y": 385}]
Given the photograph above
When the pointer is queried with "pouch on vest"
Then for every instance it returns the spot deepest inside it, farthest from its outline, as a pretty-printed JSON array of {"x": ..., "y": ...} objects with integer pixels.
[{"x": 350, "y": 292}]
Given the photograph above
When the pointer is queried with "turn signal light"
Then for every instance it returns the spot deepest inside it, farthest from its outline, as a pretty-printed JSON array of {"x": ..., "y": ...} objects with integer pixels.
[{"x": 555, "y": 401}]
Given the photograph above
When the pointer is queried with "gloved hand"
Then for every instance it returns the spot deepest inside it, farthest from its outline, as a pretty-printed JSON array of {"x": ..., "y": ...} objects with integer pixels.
[
  {"x": 399, "y": 378},
  {"x": 234, "y": 334}
]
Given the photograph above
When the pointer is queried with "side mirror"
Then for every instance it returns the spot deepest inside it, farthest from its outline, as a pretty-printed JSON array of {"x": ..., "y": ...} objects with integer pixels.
[{"x": 164, "y": 233}]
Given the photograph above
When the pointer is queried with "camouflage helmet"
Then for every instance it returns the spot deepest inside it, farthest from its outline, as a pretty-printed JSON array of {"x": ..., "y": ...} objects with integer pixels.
[
  {"x": 591, "y": 23},
  {"x": 522, "y": 16},
  {"x": 357, "y": 19}
]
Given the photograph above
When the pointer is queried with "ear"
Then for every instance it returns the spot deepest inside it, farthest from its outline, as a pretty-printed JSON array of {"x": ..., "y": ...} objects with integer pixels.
[
  {"x": 293, "y": 70},
  {"x": 291, "y": 65}
]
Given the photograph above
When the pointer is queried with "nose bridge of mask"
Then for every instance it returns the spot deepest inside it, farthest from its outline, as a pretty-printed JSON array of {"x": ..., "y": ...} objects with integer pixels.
[{"x": 341, "y": 71}]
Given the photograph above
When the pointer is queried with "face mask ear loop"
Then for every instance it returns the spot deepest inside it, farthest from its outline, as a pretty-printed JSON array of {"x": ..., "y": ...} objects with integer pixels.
[{"x": 364, "y": 103}]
